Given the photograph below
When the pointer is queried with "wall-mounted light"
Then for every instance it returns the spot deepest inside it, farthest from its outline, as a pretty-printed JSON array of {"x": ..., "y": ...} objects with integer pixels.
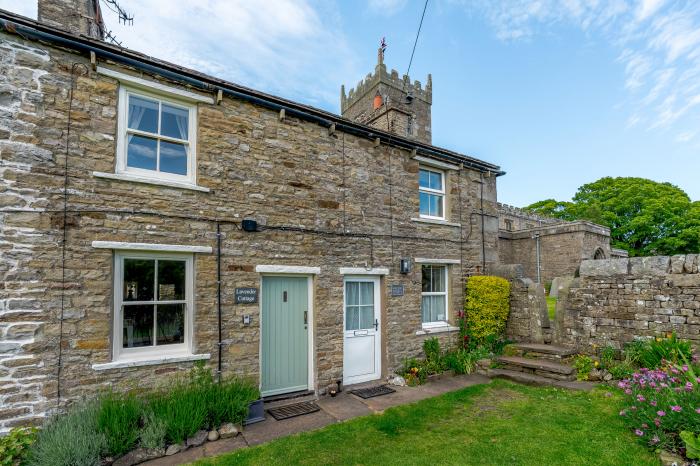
[
  {"x": 249, "y": 225},
  {"x": 405, "y": 266}
]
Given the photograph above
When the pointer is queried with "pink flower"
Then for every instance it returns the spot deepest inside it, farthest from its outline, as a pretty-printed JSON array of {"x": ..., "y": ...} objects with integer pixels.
[
  {"x": 697, "y": 410},
  {"x": 640, "y": 398},
  {"x": 652, "y": 402},
  {"x": 661, "y": 413},
  {"x": 676, "y": 408},
  {"x": 622, "y": 413},
  {"x": 685, "y": 368},
  {"x": 689, "y": 386},
  {"x": 655, "y": 440},
  {"x": 639, "y": 432},
  {"x": 628, "y": 391},
  {"x": 657, "y": 422}
]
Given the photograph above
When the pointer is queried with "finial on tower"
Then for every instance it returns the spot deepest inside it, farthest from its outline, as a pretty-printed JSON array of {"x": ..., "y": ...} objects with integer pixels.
[{"x": 380, "y": 52}]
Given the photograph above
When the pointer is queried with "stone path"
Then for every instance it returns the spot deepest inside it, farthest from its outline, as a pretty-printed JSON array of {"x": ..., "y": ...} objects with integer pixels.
[{"x": 338, "y": 409}]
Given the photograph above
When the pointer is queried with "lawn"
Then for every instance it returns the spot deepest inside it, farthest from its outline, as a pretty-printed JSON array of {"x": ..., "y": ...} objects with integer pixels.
[
  {"x": 551, "y": 306},
  {"x": 498, "y": 423}
]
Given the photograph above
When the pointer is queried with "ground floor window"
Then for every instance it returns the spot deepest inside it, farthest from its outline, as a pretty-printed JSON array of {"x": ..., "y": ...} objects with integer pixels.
[
  {"x": 153, "y": 303},
  {"x": 434, "y": 295}
]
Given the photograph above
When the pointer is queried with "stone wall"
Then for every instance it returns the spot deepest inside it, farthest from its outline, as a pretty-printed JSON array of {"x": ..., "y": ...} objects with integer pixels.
[
  {"x": 528, "y": 320},
  {"x": 562, "y": 248},
  {"x": 617, "y": 300},
  {"x": 322, "y": 200}
]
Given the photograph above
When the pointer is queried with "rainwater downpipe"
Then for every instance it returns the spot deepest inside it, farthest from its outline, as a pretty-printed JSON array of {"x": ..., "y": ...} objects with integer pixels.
[
  {"x": 537, "y": 254},
  {"x": 483, "y": 237},
  {"x": 218, "y": 291}
]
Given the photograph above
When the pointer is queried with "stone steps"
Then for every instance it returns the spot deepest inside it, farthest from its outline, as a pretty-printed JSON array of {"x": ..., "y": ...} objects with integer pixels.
[
  {"x": 543, "y": 351},
  {"x": 538, "y": 380},
  {"x": 542, "y": 367}
]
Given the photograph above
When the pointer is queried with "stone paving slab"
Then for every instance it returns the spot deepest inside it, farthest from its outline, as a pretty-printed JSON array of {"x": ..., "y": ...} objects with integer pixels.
[
  {"x": 271, "y": 429},
  {"x": 344, "y": 406}
]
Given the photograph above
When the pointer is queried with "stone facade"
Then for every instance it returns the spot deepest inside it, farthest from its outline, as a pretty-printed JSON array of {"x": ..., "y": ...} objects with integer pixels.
[
  {"x": 322, "y": 197},
  {"x": 617, "y": 300},
  {"x": 384, "y": 101}
]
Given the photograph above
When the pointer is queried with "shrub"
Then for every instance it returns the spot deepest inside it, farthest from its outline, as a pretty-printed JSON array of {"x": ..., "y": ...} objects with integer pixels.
[
  {"x": 153, "y": 431},
  {"x": 607, "y": 357},
  {"x": 658, "y": 350},
  {"x": 463, "y": 361},
  {"x": 661, "y": 403},
  {"x": 13, "y": 446},
  {"x": 692, "y": 444},
  {"x": 487, "y": 305},
  {"x": 197, "y": 402},
  {"x": 70, "y": 439},
  {"x": 118, "y": 418},
  {"x": 414, "y": 372},
  {"x": 584, "y": 365}
]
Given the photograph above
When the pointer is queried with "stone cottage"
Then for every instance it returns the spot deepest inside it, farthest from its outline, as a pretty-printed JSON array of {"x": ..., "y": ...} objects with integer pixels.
[{"x": 152, "y": 216}]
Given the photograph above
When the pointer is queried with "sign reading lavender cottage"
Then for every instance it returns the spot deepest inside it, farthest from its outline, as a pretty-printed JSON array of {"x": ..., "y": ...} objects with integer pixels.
[{"x": 246, "y": 295}]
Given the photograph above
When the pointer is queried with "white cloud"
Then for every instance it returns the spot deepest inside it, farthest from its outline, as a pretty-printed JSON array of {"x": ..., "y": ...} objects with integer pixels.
[
  {"x": 21, "y": 7},
  {"x": 291, "y": 48},
  {"x": 659, "y": 43}
]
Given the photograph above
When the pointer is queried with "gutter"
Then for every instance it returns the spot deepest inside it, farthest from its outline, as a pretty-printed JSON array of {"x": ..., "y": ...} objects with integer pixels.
[{"x": 32, "y": 30}]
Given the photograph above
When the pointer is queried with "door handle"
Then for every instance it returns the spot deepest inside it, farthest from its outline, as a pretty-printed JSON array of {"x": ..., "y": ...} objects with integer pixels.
[
  {"x": 376, "y": 325},
  {"x": 306, "y": 317}
]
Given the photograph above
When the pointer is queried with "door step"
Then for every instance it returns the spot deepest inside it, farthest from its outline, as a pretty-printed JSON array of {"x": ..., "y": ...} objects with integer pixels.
[
  {"x": 289, "y": 398},
  {"x": 545, "y": 351},
  {"x": 538, "y": 380},
  {"x": 542, "y": 367}
]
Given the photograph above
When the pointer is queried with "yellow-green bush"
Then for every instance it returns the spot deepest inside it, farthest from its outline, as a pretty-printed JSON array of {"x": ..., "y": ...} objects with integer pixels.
[{"x": 486, "y": 306}]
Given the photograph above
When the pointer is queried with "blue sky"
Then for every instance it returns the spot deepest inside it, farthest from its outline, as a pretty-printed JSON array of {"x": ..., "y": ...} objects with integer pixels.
[{"x": 558, "y": 92}]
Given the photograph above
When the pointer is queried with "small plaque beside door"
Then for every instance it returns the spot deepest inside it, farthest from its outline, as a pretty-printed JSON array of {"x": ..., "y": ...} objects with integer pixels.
[
  {"x": 397, "y": 290},
  {"x": 246, "y": 295}
]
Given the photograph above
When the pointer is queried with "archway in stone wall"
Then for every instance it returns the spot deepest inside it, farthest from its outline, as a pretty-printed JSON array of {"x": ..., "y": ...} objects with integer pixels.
[{"x": 599, "y": 254}]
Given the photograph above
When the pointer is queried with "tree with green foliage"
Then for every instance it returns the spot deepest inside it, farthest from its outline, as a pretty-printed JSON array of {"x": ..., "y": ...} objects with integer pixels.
[{"x": 645, "y": 217}]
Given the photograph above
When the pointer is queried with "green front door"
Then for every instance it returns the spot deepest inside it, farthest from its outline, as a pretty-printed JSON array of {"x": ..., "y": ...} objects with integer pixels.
[{"x": 285, "y": 341}]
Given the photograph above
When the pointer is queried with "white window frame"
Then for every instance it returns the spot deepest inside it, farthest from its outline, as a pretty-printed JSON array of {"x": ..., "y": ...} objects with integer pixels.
[
  {"x": 146, "y": 353},
  {"x": 123, "y": 131},
  {"x": 441, "y": 193},
  {"x": 446, "y": 277}
]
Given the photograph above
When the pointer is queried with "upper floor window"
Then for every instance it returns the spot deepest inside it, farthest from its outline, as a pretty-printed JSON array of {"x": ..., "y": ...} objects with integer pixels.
[
  {"x": 431, "y": 186},
  {"x": 509, "y": 225},
  {"x": 156, "y": 136}
]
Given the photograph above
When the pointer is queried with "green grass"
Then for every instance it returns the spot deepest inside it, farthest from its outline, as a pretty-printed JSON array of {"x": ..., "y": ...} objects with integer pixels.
[
  {"x": 551, "y": 306},
  {"x": 498, "y": 423}
]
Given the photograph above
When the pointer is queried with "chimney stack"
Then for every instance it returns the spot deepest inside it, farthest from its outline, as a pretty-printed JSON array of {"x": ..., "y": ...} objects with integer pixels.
[{"x": 80, "y": 17}]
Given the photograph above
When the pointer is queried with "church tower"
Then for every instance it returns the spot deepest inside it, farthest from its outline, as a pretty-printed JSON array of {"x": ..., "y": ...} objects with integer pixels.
[{"x": 389, "y": 103}]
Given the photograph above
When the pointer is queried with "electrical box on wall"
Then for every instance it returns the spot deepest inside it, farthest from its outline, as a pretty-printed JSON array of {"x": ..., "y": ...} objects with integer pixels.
[
  {"x": 405, "y": 266},
  {"x": 246, "y": 319}
]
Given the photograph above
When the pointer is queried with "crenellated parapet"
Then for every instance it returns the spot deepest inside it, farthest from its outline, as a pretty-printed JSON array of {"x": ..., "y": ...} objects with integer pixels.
[
  {"x": 506, "y": 211},
  {"x": 390, "y": 79}
]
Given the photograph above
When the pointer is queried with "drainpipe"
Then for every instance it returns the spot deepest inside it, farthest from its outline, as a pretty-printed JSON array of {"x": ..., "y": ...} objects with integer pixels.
[
  {"x": 218, "y": 290},
  {"x": 537, "y": 253},
  {"x": 483, "y": 238}
]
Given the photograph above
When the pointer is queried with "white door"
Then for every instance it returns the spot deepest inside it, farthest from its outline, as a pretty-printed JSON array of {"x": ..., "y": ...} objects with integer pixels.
[{"x": 362, "y": 346}]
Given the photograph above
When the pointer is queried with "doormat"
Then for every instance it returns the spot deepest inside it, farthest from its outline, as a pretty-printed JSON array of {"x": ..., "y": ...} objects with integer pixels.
[
  {"x": 293, "y": 410},
  {"x": 371, "y": 392}
]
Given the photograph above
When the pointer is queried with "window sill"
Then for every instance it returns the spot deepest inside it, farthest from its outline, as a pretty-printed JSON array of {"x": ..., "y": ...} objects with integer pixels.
[
  {"x": 436, "y": 222},
  {"x": 437, "y": 329},
  {"x": 169, "y": 359},
  {"x": 141, "y": 179}
]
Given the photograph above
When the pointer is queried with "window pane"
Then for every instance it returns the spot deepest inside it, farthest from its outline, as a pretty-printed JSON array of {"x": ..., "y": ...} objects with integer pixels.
[
  {"x": 425, "y": 204},
  {"x": 138, "y": 279},
  {"x": 352, "y": 317},
  {"x": 426, "y": 271},
  {"x": 143, "y": 114},
  {"x": 366, "y": 293},
  {"x": 435, "y": 205},
  {"x": 438, "y": 279},
  {"x": 171, "y": 280},
  {"x": 435, "y": 181},
  {"x": 173, "y": 158},
  {"x": 171, "y": 324},
  {"x": 424, "y": 178},
  {"x": 367, "y": 317},
  {"x": 352, "y": 291},
  {"x": 173, "y": 121},
  {"x": 138, "y": 326},
  {"x": 141, "y": 152},
  {"x": 434, "y": 309}
]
